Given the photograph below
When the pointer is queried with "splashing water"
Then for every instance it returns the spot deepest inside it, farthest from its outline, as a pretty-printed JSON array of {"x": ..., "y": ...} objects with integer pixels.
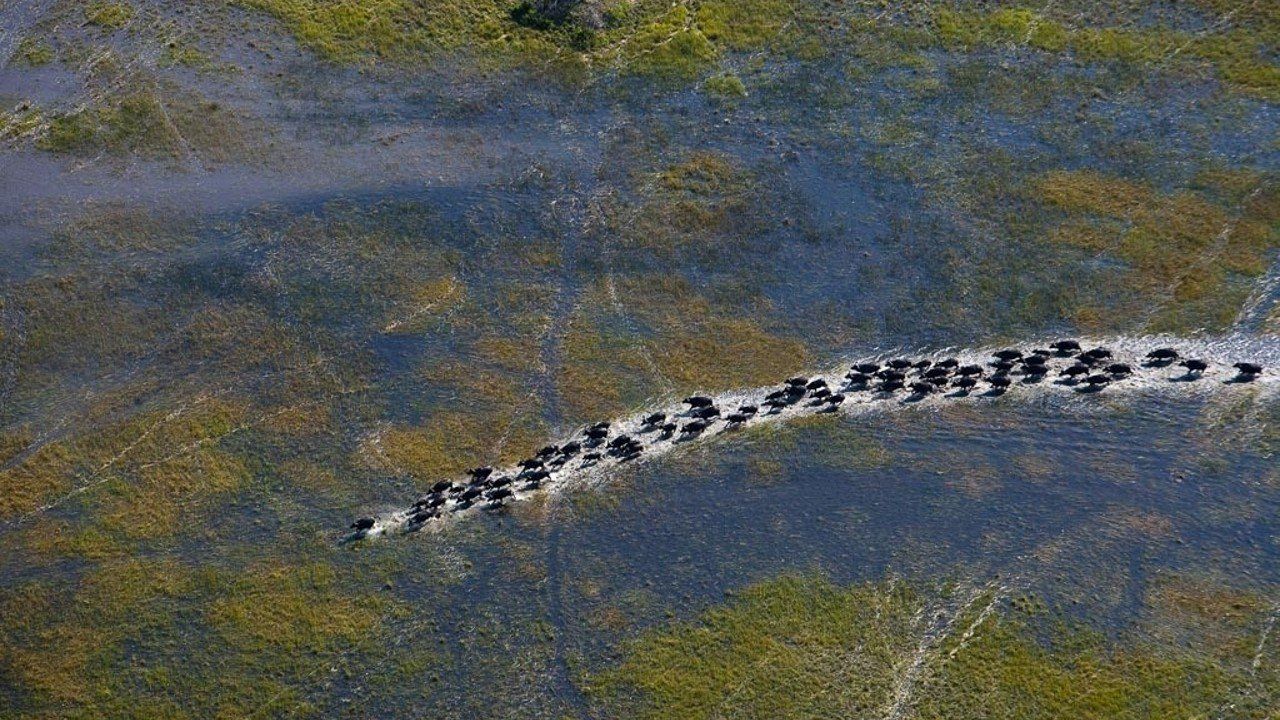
[{"x": 1220, "y": 353}]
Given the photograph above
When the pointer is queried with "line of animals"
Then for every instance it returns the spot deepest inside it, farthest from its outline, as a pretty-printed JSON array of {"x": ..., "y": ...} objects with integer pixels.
[{"x": 1087, "y": 371}]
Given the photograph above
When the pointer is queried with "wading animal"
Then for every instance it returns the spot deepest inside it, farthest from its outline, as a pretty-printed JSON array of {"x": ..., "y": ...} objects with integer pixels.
[
  {"x": 698, "y": 401},
  {"x": 693, "y": 428},
  {"x": 1075, "y": 370},
  {"x": 365, "y": 523},
  {"x": 1248, "y": 370},
  {"x": 1194, "y": 367}
]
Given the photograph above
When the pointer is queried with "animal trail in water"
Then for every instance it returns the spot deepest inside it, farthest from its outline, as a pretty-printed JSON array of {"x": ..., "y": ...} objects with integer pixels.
[{"x": 869, "y": 385}]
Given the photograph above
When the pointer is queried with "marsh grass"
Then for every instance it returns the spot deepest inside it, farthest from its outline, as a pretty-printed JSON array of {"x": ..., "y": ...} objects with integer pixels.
[
  {"x": 801, "y": 646},
  {"x": 1191, "y": 258}
]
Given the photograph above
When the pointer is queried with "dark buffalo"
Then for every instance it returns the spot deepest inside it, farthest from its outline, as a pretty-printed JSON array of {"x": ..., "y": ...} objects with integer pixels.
[
  {"x": 693, "y": 428},
  {"x": 1248, "y": 369},
  {"x": 364, "y": 523},
  {"x": 1194, "y": 366},
  {"x": 1075, "y": 370}
]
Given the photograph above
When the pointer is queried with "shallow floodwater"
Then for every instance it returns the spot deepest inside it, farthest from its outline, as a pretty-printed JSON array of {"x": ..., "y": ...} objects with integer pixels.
[{"x": 251, "y": 293}]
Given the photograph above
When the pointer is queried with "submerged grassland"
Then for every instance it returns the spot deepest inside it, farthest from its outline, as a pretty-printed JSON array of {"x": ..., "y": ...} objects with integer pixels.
[
  {"x": 803, "y": 647},
  {"x": 272, "y": 264}
]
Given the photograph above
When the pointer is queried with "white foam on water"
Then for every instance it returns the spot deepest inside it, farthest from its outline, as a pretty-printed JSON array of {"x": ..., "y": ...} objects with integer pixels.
[{"x": 1221, "y": 377}]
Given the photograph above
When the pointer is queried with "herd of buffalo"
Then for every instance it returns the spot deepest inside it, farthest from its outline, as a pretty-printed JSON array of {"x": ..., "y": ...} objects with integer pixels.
[{"x": 1085, "y": 370}]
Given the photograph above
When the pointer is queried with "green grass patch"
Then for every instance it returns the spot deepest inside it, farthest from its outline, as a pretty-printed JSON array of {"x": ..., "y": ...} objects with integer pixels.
[
  {"x": 108, "y": 15},
  {"x": 803, "y": 647},
  {"x": 34, "y": 52},
  {"x": 1237, "y": 54},
  {"x": 1192, "y": 258}
]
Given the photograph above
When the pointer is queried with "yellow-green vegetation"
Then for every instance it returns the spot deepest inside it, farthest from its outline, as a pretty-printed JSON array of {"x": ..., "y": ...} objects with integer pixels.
[
  {"x": 792, "y": 647},
  {"x": 726, "y": 86},
  {"x": 1237, "y": 53},
  {"x": 154, "y": 638},
  {"x": 652, "y": 37},
  {"x": 146, "y": 472},
  {"x": 602, "y": 374},
  {"x": 147, "y": 124},
  {"x": 703, "y": 205},
  {"x": 21, "y": 121},
  {"x": 450, "y": 442},
  {"x": 674, "y": 336},
  {"x": 425, "y": 303},
  {"x": 1183, "y": 253},
  {"x": 34, "y": 52},
  {"x": 108, "y": 15},
  {"x": 803, "y": 647},
  {"x": 823, "y": 440}
]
